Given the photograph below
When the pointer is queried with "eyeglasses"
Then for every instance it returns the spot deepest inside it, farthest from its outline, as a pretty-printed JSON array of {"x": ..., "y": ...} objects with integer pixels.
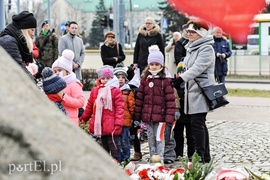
[
  {"x": 190, "y": 32},
  {"x": 148, "y": 23},
  {"x": 110, "y": 37}
]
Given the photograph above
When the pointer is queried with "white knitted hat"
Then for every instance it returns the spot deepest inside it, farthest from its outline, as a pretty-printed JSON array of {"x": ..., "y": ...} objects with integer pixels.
[{"x": 65, "y": 61}]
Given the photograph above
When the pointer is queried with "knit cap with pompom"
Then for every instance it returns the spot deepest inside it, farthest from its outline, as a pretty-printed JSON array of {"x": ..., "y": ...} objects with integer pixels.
[
  {"x": 52, "y": 84},
  {"x": 65, "y": 61},
  {"x": 180, "y": 67},
  {"x": 155, "y": 55}
]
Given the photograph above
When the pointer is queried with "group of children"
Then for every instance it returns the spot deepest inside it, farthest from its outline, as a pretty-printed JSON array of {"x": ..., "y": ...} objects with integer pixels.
[{"x": 116, "y": 106}]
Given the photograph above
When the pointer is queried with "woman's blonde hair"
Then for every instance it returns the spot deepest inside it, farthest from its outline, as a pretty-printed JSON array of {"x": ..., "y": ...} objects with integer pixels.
[
  {"x": 28, "y": 39},
  {"x": 150, "y": 19}
]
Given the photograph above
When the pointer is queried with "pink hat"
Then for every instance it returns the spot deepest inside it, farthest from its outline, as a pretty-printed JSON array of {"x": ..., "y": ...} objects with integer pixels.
[
  {"x": 65, "y": 61},
  {"x": 105, "y": 71},
  {"x": 155, "y": 55}
]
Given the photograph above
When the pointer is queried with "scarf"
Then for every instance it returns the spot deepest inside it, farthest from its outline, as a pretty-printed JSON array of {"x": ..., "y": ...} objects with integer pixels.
[
  {"x": 15, "y": 32},
  {"x": 103, "y": 101},
  {"x": 154, "y": 73},
  {"x": 54, "y": 97},
  {"x": 71, "y": 78}
]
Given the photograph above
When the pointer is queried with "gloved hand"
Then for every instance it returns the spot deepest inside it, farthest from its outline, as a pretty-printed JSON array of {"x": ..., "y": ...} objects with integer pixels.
[
  {"x": 176, "y": 82},
  {"x": 136, "y": 124},
  {"x": 177, "y": 115},
  {"x": 117, "y": 130}
]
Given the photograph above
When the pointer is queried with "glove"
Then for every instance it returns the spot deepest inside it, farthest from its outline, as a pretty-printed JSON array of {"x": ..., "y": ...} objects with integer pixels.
[
  {"x": 177, "y": 115},
  {"x": 176, "y": 82},
  {"x": 136, "y": 124},
  {"x": 117, "y": 130}
]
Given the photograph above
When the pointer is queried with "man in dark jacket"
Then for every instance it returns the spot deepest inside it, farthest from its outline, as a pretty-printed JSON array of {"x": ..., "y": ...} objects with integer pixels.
[
  {"x": 180, "y": 50},
  {"x": 222, "y": 52},
  {"x": 149, "y": 34}
]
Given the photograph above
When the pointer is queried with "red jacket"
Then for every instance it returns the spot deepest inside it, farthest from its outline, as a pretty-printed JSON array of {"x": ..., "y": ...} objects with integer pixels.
[
  {"x": 35, "y": 51},
  {"x": 155, "y": 101},
  {"x": 110, "y": 119}
]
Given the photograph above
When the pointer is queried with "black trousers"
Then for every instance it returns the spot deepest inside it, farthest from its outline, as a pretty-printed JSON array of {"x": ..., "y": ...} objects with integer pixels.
[
  {"x": 201, "y": 136},
  {"x": 134, "y": 138},
  {"x": 179, "y": 137}
]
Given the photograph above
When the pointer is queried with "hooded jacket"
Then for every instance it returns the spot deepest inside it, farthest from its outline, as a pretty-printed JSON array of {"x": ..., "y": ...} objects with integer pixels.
[
  {"x": 74, "y": 97},
  {"x": 144, "y": 40},
  {"x": 110, "y": 118},
  {"x": 199, "y": 63},
  {"x": 155, "y": 100}
]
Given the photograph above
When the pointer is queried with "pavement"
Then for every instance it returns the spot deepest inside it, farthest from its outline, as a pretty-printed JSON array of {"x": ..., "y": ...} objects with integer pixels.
[{"x": 239, "y": 132}]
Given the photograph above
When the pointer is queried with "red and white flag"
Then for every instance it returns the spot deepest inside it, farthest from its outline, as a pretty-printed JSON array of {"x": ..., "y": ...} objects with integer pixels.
[
  {"x": 172, "y": 132},
  {"x": 160, "y": 131}
]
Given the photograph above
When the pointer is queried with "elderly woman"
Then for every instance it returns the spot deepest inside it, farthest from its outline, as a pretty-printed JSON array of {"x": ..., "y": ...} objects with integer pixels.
[
  {"x": 169, "y": 49},
  {"x": 16, "y": 39},
  {"x": 111, "y": 51},
  {"x": 149, "y": 34},
  {"x": 199, "y": 64}
]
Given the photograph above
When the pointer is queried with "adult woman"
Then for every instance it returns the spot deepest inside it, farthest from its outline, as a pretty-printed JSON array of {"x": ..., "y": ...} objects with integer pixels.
[
  {"x": 149, "y": 34},
  {"x": 170, "y": 60},
  {"x": 16, "y": 40},
  {"x": 199, "y": 63},
  {"x": 111, "y": 51}
]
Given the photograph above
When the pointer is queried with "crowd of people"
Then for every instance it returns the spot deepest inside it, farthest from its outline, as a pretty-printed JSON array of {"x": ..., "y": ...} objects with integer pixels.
[{"x": 166, "y": 100}]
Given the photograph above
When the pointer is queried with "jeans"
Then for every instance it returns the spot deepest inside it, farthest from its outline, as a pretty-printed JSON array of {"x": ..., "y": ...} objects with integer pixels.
[
  {"x": 221, "y": 79},
  {"x": 169, "y": 153},
  {"x": 124, "y": 144},
  {"x": 201, "y": 136}
]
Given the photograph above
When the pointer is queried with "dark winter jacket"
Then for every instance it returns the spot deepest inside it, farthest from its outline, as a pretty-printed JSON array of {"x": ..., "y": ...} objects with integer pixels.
[
  {"x": 180, "y": 50},
  {"x": 12, "y": 40},
  {"x": 221, "y": 45},
  {"x": 155, "y": 101},
  {"x": 48, "y": 48},
  {"x": 144, "y": 40},
  {"x": 109, "y": 51}
]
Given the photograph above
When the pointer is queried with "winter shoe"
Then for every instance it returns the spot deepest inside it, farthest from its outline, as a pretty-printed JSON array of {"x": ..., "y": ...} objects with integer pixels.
[{"x": 137, "y": 156}]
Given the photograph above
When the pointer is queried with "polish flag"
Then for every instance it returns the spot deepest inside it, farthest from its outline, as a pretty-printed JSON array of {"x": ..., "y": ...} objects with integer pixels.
[
  {"x": 160, "y": 131},
  {"x": 172, "y": 132}
]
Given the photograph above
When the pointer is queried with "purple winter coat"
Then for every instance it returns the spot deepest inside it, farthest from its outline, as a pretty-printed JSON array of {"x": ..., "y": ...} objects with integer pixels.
[{"x": 156, "y": 103}]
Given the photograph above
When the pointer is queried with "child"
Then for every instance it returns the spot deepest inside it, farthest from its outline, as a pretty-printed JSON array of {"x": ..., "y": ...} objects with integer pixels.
[
  {"x": 128, "y": 95},
  {"x": 105, "y": 107},
  {"x": 155, "y": 101},
  {"x": 183, "y": 122},
  {"x": 53, "y": 87},
  {"x": 134, "y": 84},
  {"x": 74, "y": 97}
]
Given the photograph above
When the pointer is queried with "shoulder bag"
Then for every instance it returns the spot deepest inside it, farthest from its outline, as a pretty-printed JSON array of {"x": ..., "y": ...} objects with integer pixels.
[{"x": 214, "y": 95}]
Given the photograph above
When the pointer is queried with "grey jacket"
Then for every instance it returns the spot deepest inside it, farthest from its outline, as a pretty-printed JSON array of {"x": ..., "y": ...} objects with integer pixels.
[
  {"x": 199, "y": 63},
  {"x": 75, "y": 44}
]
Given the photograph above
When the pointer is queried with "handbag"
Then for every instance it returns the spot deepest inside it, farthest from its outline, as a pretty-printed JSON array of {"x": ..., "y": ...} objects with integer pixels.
[{"x": 214, "y": 95}]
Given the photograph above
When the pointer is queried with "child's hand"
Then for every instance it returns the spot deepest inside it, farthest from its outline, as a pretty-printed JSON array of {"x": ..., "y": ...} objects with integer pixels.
[{"x": 117, "y": 130}]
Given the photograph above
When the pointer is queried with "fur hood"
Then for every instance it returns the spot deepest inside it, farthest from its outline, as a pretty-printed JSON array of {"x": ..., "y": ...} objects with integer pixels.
[{"x": 152, "y": 32}]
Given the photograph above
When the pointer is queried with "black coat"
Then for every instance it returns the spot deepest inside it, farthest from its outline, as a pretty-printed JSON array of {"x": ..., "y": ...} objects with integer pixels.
[
  {"x": 180, "y": 50},
  {"x": 144, "y": 40},
  {"x": 108, "y": 52},
  {"x": 12, "y": 40}
]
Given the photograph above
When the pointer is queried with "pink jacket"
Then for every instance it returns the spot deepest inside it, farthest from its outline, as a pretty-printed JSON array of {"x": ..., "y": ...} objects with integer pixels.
[
  {"x": 110, "y": 118},
  {"x": 73, "y": 100}
]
